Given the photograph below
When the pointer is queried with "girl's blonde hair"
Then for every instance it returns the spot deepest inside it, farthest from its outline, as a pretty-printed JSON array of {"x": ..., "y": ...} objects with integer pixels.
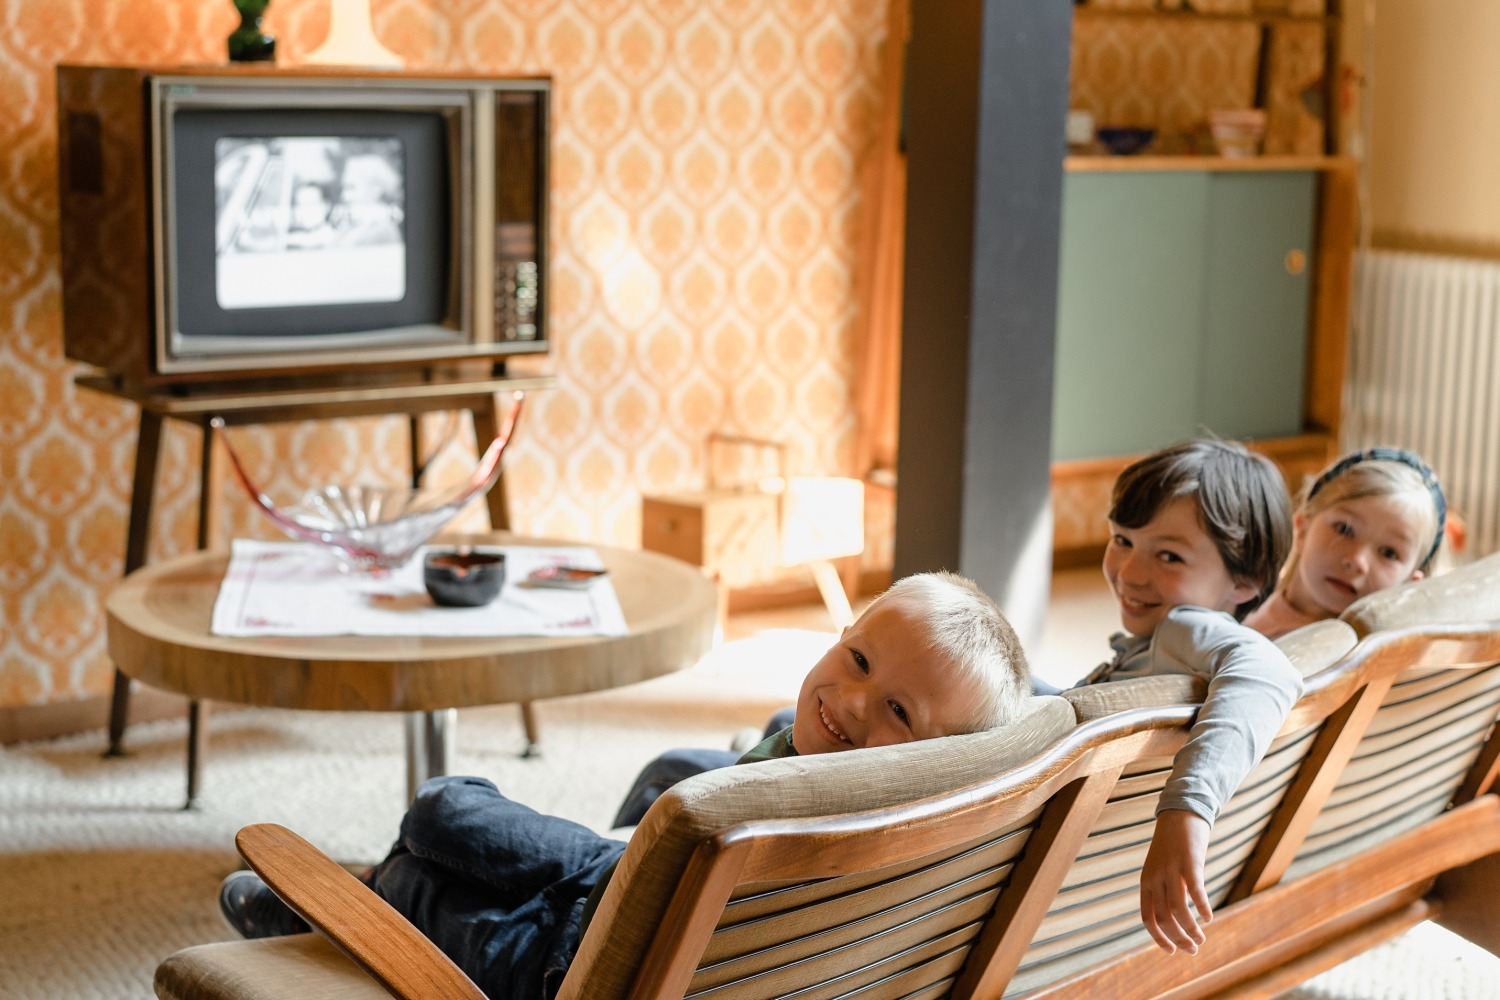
[{"x": 1376, "y": 472}]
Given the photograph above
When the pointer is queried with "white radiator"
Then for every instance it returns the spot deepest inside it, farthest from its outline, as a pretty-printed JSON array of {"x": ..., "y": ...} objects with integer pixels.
[{"x": 1424, "y": 374}]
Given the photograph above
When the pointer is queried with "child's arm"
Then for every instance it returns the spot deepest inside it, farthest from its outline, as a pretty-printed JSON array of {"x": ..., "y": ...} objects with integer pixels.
[
  {"x": 1171, "y": 877},
  {"x": 1251, "y": 688}
]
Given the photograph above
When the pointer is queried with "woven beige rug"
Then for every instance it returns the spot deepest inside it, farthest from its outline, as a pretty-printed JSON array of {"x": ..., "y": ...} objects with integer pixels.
[{"x": 102, "y": 873}]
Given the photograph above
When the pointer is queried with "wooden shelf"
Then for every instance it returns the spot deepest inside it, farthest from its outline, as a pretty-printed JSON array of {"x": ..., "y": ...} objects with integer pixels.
[
  {"x": 311, "y": 400},
  {"x": 1220, "y": 163},
  {"x": 1267, "y": 267},
  {"x": 1249, "y": 17}
]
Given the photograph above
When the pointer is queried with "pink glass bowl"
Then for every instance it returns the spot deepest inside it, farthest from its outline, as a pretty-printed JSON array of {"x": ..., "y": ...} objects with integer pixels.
[{"x": 372, "y": 528}]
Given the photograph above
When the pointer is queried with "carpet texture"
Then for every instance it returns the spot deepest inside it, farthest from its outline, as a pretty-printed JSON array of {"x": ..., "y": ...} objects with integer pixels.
[{"x": 102, "y": 873}]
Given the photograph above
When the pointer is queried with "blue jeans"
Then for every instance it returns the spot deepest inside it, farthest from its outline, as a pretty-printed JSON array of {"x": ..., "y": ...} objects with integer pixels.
[
  {"x": 498, "y": 887},
  {"x": 675, "y": 765},
  {"x": 1040, "y": 687}
]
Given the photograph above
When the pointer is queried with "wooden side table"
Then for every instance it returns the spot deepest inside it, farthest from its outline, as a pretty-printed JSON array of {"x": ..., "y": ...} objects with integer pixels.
[
  {"x": 407, "y": 393},
  {"x": 159, "y": 622}
]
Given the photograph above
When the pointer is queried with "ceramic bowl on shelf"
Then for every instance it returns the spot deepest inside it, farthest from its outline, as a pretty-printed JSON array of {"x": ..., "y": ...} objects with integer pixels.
[
  {"x": 1079, "y": 129},
  {"x": 462, "y": 577},
  {"x": 1125, "y": 140},
  {"x": 1237, "y": 132}
]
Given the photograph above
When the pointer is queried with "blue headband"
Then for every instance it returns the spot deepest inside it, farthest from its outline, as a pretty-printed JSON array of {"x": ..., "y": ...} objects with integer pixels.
[{"x": 1429, "y": 480}]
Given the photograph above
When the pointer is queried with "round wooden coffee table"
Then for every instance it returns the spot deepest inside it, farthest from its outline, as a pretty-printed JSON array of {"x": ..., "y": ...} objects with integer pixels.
[{"x": 158, "y": 622}]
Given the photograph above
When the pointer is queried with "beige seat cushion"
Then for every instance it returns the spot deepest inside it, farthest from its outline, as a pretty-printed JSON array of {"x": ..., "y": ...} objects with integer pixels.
[
  {"x": 1311, "y": 648},
  {"x": 1318, "y": 646},
  {"x": 1468, "y": 594},
  {"x": 304, "y": 966},
  {"x": 1095, "y": 701}
]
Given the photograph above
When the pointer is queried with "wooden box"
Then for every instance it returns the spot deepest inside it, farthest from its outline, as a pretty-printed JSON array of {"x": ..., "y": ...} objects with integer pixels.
[{"x": 735, "y": 533}]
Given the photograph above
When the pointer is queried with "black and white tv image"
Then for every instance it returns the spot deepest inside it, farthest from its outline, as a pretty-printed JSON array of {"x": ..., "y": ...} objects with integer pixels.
[
  {"x": 299, "y": 224},
  {"x": 308, "y": 221}
]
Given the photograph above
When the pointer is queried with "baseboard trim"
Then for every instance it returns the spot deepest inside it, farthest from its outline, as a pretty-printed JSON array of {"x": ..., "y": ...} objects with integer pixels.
[
  {"x": 795, "y": 591},
  {"x": 1079, "y": 556},
  {"x": 1081, "y": 490},
  {"x": 23, "y": 723}
]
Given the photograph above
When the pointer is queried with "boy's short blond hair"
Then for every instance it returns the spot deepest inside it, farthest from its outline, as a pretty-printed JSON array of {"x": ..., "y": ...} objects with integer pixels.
[{"x": 967, "y": 627}]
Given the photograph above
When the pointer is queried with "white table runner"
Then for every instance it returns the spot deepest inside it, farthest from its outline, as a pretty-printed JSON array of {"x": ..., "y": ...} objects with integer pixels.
[{"x": 298, "y": 589}]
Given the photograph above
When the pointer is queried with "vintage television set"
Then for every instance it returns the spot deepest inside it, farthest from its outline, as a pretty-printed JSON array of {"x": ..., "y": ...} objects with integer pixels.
[{"x": 243, "y": 223}]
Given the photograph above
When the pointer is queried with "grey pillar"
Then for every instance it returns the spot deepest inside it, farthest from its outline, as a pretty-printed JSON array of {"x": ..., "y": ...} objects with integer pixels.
[{"x": 986, "y": 101}]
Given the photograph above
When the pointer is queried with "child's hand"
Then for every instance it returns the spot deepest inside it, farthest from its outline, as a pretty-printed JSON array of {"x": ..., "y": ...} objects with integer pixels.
[{"x": 1173, "y": 873}]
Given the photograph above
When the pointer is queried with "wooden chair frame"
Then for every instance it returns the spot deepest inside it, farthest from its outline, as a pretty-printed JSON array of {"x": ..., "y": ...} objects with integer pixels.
[{"x": 1270, "y": 935}]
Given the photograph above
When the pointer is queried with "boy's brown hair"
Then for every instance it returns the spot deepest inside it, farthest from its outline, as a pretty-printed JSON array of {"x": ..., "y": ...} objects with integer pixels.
[{"x": 1243, "y": 505}]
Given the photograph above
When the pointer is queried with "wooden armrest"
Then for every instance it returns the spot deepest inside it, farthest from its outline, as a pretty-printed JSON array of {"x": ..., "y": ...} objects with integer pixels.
[{"x": 349, "y": 914}]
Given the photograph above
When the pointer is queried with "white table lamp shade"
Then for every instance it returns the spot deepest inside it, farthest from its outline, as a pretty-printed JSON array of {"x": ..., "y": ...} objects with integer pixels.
[
  {"x": 822, "y": 517},
  {"x": 351, "y": 39}
]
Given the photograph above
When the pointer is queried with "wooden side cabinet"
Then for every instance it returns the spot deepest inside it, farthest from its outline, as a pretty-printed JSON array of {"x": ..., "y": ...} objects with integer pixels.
[{"x": 1182, "y": 307}]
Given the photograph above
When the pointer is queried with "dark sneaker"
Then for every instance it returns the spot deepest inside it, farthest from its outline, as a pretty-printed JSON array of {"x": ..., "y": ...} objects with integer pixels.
[{"x": 254, "y": 911}]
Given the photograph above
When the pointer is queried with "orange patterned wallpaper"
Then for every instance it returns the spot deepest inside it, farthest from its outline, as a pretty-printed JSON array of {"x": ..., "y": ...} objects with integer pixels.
[
  {"x": 703, "y": 226},
  {"x": 704, "y": 215}
]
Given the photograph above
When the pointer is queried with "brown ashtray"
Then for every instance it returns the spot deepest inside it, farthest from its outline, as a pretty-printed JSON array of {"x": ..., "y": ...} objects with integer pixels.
[{"x": 463, "y": 578}]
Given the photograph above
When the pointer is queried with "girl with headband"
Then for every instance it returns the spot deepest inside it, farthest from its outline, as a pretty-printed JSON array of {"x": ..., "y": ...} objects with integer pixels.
[{"x": 1371, "y": 520}]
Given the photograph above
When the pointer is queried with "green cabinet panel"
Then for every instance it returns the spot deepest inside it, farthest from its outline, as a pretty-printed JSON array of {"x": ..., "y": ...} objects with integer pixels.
[
  {"x": 1129, "y": 282},
  {"x": 1255, "y": 321},
  {"x": 1176, "y": 312}
]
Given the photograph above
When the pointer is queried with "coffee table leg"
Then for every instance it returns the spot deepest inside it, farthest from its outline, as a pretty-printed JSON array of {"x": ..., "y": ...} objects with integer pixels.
[
  {"x": 533, "y": 731},
  {"x": 119, "y": 712},
  {"x": 197, "y": 748},
  {"x": 429, "y": 744}
]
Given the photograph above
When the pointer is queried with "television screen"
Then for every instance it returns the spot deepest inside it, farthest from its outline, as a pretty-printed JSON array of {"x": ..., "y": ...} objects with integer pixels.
[
  {"x": 236, "y": 223},
  {"x": 308, "y": 223},
  {"x": 308, "y": 220}
]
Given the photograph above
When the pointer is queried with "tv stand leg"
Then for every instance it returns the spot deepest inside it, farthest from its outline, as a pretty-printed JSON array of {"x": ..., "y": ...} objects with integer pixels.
[
  {"x": 210, "y": 479},
  {"x": 414, "y": 447},
  {"x": 482, "y": 412},
  {"x": 142, "y": 493},
  {"x": 208, "y": 489}
]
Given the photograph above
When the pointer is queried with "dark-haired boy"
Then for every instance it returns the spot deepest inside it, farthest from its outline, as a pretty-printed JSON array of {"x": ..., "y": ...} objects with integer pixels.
[{"x": 1198, "y": 533}]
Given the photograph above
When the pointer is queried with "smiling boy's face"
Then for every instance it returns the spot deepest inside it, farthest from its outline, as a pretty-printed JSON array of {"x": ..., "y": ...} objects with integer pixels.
[
  {"x": 880, "y": 685},
  {"x": 1167, "y": 562}
]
